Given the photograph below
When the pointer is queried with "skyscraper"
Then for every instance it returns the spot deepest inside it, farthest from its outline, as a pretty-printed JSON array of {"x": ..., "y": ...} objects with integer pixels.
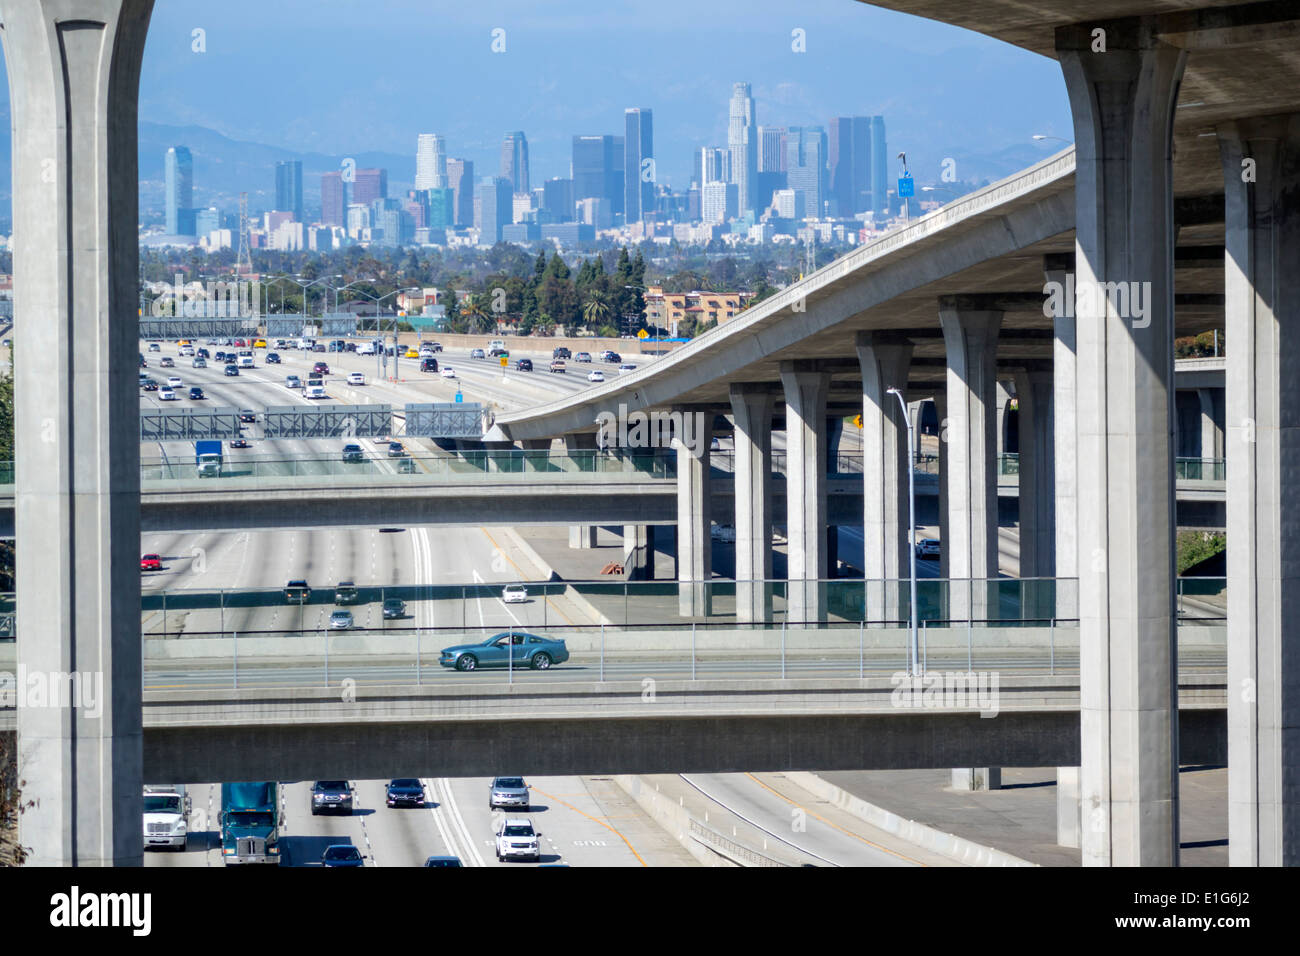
[
  {"x": 430, "y": 161},
  {"x": 179, "y": 173},
  {"x": 557, "y": 200},
  {"x": 849, "y": 164},
  {"x": 369, "y": 185},
  {"x": 805, "y": 166},
  {"x": 712, "y": 163},
  {"x": 879, "y": 166},
  {"x": 460, "y": 179},
  {"x": 598, "y": 169},
  {"x": 333, "y": 199},
  {"x": 288, "y": 187},
  {"x": 771, "y": 149},
  {"x": 742, "y": 144},
  {"x": 514, "y": 161},
  {"x": 494, "y": 208},
  {"x": 638, "y": 165}
]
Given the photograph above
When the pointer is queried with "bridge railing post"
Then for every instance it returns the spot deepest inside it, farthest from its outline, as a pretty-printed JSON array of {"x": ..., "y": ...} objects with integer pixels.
[{"x": 692, "y": 650}]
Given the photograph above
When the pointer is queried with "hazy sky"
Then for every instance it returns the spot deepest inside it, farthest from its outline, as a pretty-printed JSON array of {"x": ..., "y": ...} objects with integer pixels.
[{"x": 339, "y": 76}]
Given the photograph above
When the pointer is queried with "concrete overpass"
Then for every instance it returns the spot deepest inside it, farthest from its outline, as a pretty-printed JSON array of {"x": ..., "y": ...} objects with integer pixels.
[{"x": 1184, "y": 197}]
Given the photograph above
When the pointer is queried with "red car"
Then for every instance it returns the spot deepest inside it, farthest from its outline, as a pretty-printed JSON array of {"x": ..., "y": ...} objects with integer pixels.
[{"x": 151, "y": 562}]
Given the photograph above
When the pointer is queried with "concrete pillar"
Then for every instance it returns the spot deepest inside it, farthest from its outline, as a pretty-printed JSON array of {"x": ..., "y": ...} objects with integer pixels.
[
  {"x": 1003, "y": 404},
  {"x": 1065, "y": 441},
  {"x": 751, "y": 408},
  {"x": 1067, "y": 806},
  {"x": 1037, "y": 476},
  {"x": 1211, "y": 434},
  {"x": 1123, "y": 101},
  {"x": 536, "y": 453},
  {"x": 941, "y": 412},
  {"x": 806, "y": 390},
  {"x": 884, "y": 360},
  {"x": 581, "y": 536},
  {"x": 1262, "y": 310},
  {"x": 970, "y": 338},
  {"x": 638, "y": 552},
  {"x": 74, "y": 70},
  {"x": 977, "y": 778},
  {"x": 694, "y": 519}
]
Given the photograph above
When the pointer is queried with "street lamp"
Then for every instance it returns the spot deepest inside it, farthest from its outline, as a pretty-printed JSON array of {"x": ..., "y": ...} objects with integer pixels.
[
  {"x": 913, "y": 655},
  {"x": 1042, "y": 136},
  {"x": 382, "y": 355}
]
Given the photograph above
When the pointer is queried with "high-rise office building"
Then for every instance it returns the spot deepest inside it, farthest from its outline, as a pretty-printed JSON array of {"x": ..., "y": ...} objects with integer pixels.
[
  {"x": 369, "y": 185},
  {"x": 514, "y": 161},
  {"x": 712, "y": 164},
  {"x": 179, "y": 174},
  {"x": 742, "y": 144},
  {"x": 430, "y": 161},
  {"x": 805, "y": 166},
  {"x": 493, "y": 208},
  {"x": 598, "y": 169},
  {"x": 333, "y": 199},
  {"x": 638, "y": 165},
  {"x": 718, "y": 201},
  {"x": 440, "y": 208},
  {"x": 879, "y": 166},
  {"x": 557, "y": 200},
  {"x": 460, "y": 179},
  {"x": 771, "y": 149},
  {"x": 849, "y": 164},
  {"x": 288, "y": 187}
]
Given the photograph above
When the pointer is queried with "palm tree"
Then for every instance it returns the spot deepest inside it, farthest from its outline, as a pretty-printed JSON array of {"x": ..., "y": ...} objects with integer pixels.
[{"x": 595, "y": 311}]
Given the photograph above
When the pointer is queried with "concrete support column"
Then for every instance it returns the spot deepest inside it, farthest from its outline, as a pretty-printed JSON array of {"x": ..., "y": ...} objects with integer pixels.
[
  {"x": 1037, "y": 480},
  {"x": 971, "y": 340},
  {"x": 1067, "y": 806},
  {"x": 806, "y": 390},
  {"x": 74, "y": 76},
  {"x": 977, "y": 778},
  {"x": 1262, "y": 307},
  {"x": 941, "y": 412},
  {"x": 751, "y": 409},
  {"x": 1003, "y": 404},
  {"x": 1211, "y": 434},
  {"x": 638, "y": 552},
  {"x": 884, "y": 360},
  {"x": 1065, "y": 442},
  {"x": 536, "y": 453},
  {"x": 581, "y": 536},
  {"x": 694, "y": 519},
  {"x": 1123, "y": 103}
]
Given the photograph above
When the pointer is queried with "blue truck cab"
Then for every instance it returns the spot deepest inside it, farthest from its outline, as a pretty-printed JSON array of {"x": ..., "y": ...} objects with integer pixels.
[
  {"x": 207, "y": 458},
  {"x": 250, "y": 823}
]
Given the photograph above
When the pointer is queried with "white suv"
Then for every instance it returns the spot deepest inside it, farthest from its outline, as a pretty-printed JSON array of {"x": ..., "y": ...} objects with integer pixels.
[{"x": 517, "y": 840}]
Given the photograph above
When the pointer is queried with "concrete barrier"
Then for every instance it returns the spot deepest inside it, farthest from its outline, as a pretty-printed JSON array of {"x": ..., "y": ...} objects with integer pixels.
[{"x": 958, "y": 849}]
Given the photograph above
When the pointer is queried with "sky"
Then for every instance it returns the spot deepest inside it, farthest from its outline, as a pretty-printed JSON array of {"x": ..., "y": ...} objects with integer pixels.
[
  {"x": 339, "y": 76},
  {"x": 349, "y": 76}
]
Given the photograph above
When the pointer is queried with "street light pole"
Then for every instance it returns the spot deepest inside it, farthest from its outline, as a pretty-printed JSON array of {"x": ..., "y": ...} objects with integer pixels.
[{"x": 913, "y": 655}]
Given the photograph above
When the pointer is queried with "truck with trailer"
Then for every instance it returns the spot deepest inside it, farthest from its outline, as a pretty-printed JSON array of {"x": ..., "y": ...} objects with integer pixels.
[
  {"x": 207, "y": 458},
  {"x": 250, "y": 823}
]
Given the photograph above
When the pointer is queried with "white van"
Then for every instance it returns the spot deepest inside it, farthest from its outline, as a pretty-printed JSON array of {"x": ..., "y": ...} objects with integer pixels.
[
  {"x": 305, "y": 345},
  {"x": 367, "y": 347},
  {"x": 246, "y": 361},
  {"x": 315, "y": 391}
]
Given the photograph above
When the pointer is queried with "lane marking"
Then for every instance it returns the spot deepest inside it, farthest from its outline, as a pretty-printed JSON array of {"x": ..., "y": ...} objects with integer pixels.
[
  {"x": 524, "y": 577},
  {"x": 454, "y": 814},
  {"x": 816, "y": 816},
  {"x": 594, "y": 820}
]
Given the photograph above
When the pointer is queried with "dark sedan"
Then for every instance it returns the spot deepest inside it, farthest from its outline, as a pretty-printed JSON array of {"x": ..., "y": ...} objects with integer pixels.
[
  {"x": 507, "y": 649},
  {"x": 342, "y": 855},
  {"x": 232, "y": 370},
  {"x": 272, "y": 358},
  {"x": 407, "y": 792}
]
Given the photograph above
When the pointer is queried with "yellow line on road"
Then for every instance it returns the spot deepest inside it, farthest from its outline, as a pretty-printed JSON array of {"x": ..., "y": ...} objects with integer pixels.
[
  {"x": 815, "y": 816},
  {"x": 596, "y": 820},
  {"x": 525, "y": 577}
]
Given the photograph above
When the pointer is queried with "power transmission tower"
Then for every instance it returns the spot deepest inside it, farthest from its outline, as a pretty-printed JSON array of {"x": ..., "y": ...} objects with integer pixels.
[{"x": 244, "y": 263}]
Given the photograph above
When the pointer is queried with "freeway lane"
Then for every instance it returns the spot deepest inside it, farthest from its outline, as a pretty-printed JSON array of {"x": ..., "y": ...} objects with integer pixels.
[{"x": 584, "y": 821}]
